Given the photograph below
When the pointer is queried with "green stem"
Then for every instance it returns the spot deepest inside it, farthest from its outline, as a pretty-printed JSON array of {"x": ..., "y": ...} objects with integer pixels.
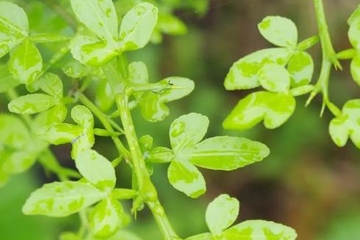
[
  {"x": 103, "y": 119},
  {"x": 146, "y": 190},
  {"x": 328, "y": 58}
]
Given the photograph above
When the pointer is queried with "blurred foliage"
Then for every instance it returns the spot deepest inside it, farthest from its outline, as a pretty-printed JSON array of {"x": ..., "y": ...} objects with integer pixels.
[{"x": 306, "y": 182}]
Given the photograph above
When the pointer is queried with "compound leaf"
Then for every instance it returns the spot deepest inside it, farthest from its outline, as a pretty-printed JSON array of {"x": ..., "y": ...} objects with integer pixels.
[
  {"x": 301, "y": 68},
  {"x": 221, "y": 213},
  {"x": 187, "y": 130},
  {"x": 260, "y": 229},
  {"x": 186, "y": 178},
  {"x": 31, "y": 103},
  {"x": 347, "y": 125},
  {"x": 59, "y": 199},
  {"x": 25, "y": 62},
  {"x": 227, "y": 153},
  {"x": 98, "y": 16},
  {"x": 6, "y": 80},
  {"x": 96, "y": 169},
  {"x": 137, "y": 26},
  {"x": 273, "y": 108},
  {"x": 243, "y": 73},
  {"x": 274, "y": 78},
  {"x": 279, "y": 31}
]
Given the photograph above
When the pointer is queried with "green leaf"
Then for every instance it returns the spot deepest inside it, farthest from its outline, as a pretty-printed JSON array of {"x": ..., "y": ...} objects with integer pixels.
[
  {"x": 273, "y": 108},
  {"x": 60, "y": 199},
  {"x": 260, "y": 229},
  {"x": 301, "y": 68},
  {"x": 355, "y": 68},
  {"x": 274, "y": 78},
  {"x": 161, "y": 155},
  {"x": 90, "y": 51},
  {"x": 347, "y": 125},
  {"x": 186, "y": 178},
  {"x": 75, "y": 69},
  {"x": 354, "y": 33},
  {"x": 25, "y": 62},
  {"x": 227, "y": 153},
  {"x": 60, "y": 133},
  {"x": 31, "y": 103},
  {"x": 202, "y": 236},
  {"x": 98, "y": 16},
  {"x": 279, "y": 31},
  {"x": 187, "y": 130},
  {"x": 138, "y": 73},
  {"x": 96, "y": 169},
  {"x": 354, "y": 16},
  {"x": 47, "y": 37},
  {"x": 13, "y": 132},
  {"x": 171, "y": 24},
  {"x": 6, "y": 80},
  {"x": 301, "y": 90},
  {"x": 19, "y": 161},
  {"x": 14, "y": 26},
  {"x": 137, "y": 26},
  {"x": 82, "y": 116},
  {"x": 51, "y": 84},
  {"x": 104, "y": 98},
  {"x": 221, "y": 213},
  {"x": 107, "y": 217},
  {"x": 243, "y": 73},
  {"x": 152, "y": 104}
]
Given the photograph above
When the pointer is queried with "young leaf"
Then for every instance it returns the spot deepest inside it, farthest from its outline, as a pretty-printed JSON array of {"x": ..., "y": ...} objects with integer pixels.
[
  {"x": 227, "y": 153},
  {"x": 152, "y": 104},
  {"x": 221, "y": 213},
  {"x": 274, "y": 78},
  {"x": 273, "y": 108},
  {"x": 161, "y": 155},
  {"x": 347, "y": 124},
  {"x": 279, "y": 31},
  {"x": 96, "y": 169},
  {"x": 186, "y": 178},
  {"x": 25, "y": 62},
  {"x": 90, "y": 51},
  {"x": 54, "y": 115},
  {"x": 243, "y": 73},
  {"x": 138, "y": 73},
  {"x": 82, "y": 116},
  {"x": 187, "y": 130},
  {"x": 106, "y": 217},
  {"x": 14, "y": 26},
  {"x": 169, "y": 24},
  {"x": 355, "y": 68},
  {"x": 51, "y": 84},
  {"x": 98, "y": 16},
  {"x": 354, "y": 33},
  {"x": 31, "y": 103},
  {"x": 260, "y": 229},
  {"x": 137, "y": 26},
  {"x": 301, "y": 68},
  {"x": 60, "y": 133},
  {"x": 104, "y": 97},
  {"x": 60, "y": 199}
]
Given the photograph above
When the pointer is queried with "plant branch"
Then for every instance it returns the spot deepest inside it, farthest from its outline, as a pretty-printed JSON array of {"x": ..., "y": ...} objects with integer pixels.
[
  {"x": 328, "y": 59},
  {"x": 146, "y": 190}
]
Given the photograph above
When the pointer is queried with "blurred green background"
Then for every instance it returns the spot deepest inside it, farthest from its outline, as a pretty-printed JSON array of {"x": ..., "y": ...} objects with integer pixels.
[{"x": 307, "y": 182}]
